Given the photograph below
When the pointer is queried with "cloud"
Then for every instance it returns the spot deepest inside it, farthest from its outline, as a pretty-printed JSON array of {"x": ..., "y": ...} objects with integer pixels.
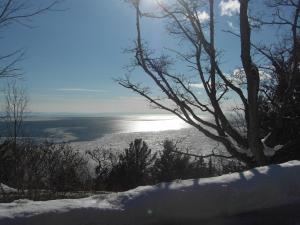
[
  {"x": 123, "y": 104},
  {"x": 203, "y": 16},
  {"x": 197, "y": 86},
  {"x": 80, "y": 90},
  {"x": 238, "y": 77},
  {"x": 232, "y": 26},
  {"x": 229, "y": 7}
]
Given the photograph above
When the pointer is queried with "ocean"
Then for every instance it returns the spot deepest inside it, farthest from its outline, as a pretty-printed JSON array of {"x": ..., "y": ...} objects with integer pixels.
[{"x": 115, "y": 132}]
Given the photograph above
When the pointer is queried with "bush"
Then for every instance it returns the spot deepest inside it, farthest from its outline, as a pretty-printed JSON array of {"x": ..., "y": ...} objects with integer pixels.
[
  {"x": 173, "y": 165},
  {"x": 66, "y": 169},
  {"x": 7, "y": 159},
  {"x": 138, "y": 166},
  {"x": 105, "y": 160},
  {"x": 133, "y": 167},
  {"x": 31, "y": 166}
]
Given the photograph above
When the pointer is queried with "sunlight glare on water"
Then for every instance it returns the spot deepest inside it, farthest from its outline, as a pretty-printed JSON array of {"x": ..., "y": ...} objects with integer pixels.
[{"x": 157, "y": 123}]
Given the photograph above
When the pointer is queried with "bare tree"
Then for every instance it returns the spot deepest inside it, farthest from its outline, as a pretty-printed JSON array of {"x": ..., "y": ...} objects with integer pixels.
[
  {"x": 253, "y": 81},
  {"x": 16, "y": 102},
  {"x": 18, "y": 12},
  {"x": 14, "y": 108},
  {"x": 178, "y": 95},
  {"x": 282, "y": 95}
]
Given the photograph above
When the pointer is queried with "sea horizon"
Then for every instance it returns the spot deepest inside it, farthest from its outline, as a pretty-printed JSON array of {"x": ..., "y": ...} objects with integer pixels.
[
  {"x": 113, "y": 131},
  {"x": 91, "y": 126}
]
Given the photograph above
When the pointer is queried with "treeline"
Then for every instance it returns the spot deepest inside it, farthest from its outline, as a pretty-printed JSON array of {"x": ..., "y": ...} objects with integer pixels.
[
  {"x": 31, "y": 167},
  {"x": 35, "y": 168}
]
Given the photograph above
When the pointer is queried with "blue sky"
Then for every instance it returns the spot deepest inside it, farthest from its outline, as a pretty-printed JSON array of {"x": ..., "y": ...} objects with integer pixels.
[{"x": 73, "y": 56}]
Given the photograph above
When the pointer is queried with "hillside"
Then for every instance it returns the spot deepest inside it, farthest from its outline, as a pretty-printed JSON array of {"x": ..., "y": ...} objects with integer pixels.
[{"x": 227, "y": 199}]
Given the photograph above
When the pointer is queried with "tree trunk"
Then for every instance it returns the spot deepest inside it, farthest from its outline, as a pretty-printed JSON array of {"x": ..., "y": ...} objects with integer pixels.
[{"x": 252, "y": 74}]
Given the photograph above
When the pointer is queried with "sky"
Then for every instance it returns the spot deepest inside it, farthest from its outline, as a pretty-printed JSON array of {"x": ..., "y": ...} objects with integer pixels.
[{"x": 73, "y": 55}]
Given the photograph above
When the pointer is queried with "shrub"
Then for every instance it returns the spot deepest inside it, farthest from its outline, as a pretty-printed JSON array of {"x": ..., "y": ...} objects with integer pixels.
[
  {"x": 173, "y": 165},
  {"x": 58, "y": 168},
  {"x": 67, "y": 169},
  {"x": 133, "y": 167},
  {"x": 105, "y": 160},
  {"x": 33, "y": 166},
  {"x": 7, "y": 159}
]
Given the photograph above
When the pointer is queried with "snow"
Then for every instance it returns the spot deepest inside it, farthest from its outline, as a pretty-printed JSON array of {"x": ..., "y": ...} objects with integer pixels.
[
  {"x": 245, "y": 151},
  {"x": 6, "y": 189},
  {"x": 270, "y": 151},
  {"x": 278, "y": 147},
  {"x": 180, "y": 200}
]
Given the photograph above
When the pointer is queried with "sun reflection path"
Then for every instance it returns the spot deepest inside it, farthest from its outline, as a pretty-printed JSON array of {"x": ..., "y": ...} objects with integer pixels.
[{"x": 158, "y": 124}]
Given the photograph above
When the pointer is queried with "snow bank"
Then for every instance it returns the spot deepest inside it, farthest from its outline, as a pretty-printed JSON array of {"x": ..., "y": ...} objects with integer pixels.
[
  {"x": 181, "y": 200},
  {"x": 6, "y": 189}
]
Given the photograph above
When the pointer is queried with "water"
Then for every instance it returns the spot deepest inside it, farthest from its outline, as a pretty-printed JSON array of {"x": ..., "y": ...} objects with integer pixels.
[
  {"x": 79, "y": 128},
  {"x": 115, "y": 132}
]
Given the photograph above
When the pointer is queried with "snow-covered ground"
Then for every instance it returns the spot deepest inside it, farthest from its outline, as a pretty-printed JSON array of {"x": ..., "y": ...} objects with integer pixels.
[{"x": 178, "y": 201}]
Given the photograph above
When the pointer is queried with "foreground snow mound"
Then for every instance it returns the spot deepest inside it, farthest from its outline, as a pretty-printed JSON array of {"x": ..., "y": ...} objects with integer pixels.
[{"x": 181, "y": 200}]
